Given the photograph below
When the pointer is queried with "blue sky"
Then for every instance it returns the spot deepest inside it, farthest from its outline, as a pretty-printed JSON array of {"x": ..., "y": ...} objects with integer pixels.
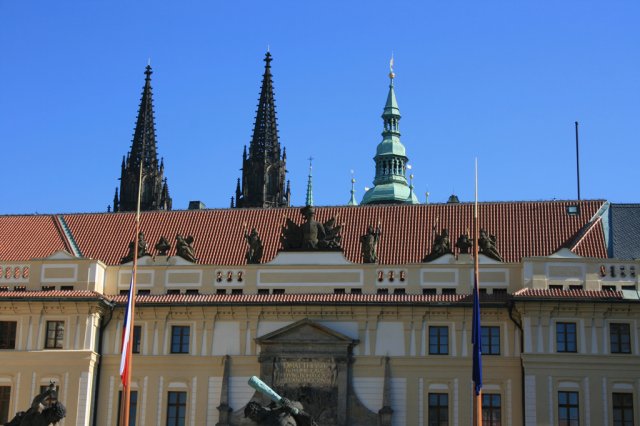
[{"x": 501, "y": 81}]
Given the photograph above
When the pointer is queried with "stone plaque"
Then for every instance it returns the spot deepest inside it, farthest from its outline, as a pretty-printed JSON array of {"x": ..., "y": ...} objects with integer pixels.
[{"x": 305, "y": 371}]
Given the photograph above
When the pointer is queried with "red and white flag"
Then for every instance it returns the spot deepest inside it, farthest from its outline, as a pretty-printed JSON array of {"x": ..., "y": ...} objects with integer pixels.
[{"x": 125, "y": 360}]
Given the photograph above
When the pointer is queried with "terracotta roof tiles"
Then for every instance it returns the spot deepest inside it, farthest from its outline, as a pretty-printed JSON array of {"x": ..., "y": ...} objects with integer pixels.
[
  {"x": 23, "y": 237},
  {"x": 297, "y": 298},
  {"x": 52, "y": 294},
  {"x": 523, "y": 229},
  {"x": 604, "y": 295}
]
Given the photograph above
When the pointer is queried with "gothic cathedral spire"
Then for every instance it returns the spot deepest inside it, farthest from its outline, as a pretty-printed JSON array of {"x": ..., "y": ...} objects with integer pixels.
[
  {"x": 155, "y": 191},
  {"x": 264, "y": 168}
]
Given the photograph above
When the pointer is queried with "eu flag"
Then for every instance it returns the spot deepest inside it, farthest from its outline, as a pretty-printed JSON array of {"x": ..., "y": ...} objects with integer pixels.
[{"x": 476, "y": 340}]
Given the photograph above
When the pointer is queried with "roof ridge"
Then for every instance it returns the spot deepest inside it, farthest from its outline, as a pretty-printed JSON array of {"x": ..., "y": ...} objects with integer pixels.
[
  {"x": 68, "y": 236},
  {"x": 589, "y": 226}
]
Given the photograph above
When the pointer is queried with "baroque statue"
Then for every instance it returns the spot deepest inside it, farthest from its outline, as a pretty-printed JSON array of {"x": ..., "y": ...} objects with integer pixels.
[
  {"x": 184, "y": 248},
  {"x": 163, "y": 246},
  {"x": 142, "y": 249},
  {"x": 254, "y": 252},
  {"x": 311, "y": 235},
  {"x": 487, "y": 245},
  {"x": 281, "y": 412},
  {"x": 441, "y": 245},
  {"x": 464, "y": 243},
  {"x": 45, "y": 410},
  {"x": 369, "y": 242}
]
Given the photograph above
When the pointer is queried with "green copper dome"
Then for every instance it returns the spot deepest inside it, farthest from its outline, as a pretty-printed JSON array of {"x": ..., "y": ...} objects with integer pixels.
[{"x": 390, "y": 182}]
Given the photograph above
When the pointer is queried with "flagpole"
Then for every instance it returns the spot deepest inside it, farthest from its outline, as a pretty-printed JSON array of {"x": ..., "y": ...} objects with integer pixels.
[
  {"x": 126, "y": 381},
  {"x": 476, "y": 317}
]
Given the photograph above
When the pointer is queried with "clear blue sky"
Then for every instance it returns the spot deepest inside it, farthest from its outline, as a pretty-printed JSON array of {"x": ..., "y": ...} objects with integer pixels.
[{"x": 500, "y": 80}]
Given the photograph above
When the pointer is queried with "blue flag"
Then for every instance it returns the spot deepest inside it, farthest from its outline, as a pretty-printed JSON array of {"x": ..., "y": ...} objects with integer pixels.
[{"x": 476, "y": 340}]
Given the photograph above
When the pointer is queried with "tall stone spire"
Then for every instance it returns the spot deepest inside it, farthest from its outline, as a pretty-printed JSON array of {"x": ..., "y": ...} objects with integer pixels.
[
  {"x": 155, "y": 190},
  {"x": 264, "y": 168},
  {"x": 390, "y": 182}
]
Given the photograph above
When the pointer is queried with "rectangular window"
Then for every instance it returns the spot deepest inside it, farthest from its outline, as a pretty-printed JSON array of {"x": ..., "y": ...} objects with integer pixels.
[
  {"x": 5, "y": 399},
  {"x": 8, "y": 334},
  {"x": 491, "y": 409},
  {"x": 566, "y": 337},
  {"x": 180, "y": 339},
  {"x": 177, "y": 409},
  {"x": 55, "y": 335},
  {"x": 490, "y": 340},
  {"x": 622, "y": 409},
  {"x": 438, "y": 409},
  {"x": 133, "y": 406},
  {"x": 438, "y": 340},
  {"x": 568, "y": 409},
  {"x": 137, "y": 335},
  {"x": 620, "y": 338}
]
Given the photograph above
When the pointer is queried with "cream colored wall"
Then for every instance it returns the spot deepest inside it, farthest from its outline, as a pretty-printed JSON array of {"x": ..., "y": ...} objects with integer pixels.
[
  {"x": 30, "y": 365},
  {"x": 413, "y": 370},
  {"x": 396, "y": 330},
  {"x": 593, "y": 371}
]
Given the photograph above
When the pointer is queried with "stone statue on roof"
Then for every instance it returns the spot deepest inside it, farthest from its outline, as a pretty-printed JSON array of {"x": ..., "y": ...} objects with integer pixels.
[
  {"x": 311, "y": 235},
  {"x": 254, "y": 251},
  {"x": 163, "y": 246},
  {"x": 369, "y": 242},
  {"x": 45, "y": 410},
  {"x": 464, "y": 243},
  {"x": 142, "y": 249},
  {"x": 441, "y": 245},
  {"x": 487, "y": 245},
  {"x": 184, "y": 248}
]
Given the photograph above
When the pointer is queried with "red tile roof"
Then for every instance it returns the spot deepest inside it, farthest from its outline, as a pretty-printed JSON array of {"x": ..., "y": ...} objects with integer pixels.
[
  {"x": 523, "y": 229},
  {"x": 316, "y": 299},
  {"x": 591, "y": 241},
  {"x": 603, "y": 295},
  {"x": 29, "y": 236},
  {"x": 52, "y": 294},
  {"x": 295, "y": 298}
]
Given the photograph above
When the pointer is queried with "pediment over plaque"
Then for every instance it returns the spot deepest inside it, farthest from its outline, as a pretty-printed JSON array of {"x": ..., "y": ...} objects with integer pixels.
[
  {"x": 310, "y": 363},
  {"x": 305, "y": 331}
]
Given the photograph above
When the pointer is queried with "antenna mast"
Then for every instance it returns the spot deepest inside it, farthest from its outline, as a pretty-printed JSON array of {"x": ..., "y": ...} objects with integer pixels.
[{"x": 578, "y": 160}]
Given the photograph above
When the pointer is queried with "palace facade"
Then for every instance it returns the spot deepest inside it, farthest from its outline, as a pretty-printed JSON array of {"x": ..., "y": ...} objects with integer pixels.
[
  {"x": 361, "y": 313},
  {"x": 559, "y": 317}
]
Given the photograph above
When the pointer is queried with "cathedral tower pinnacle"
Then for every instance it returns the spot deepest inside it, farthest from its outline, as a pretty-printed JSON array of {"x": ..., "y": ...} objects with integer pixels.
[
  {"x": 155, "y": 190},
  {"x": 264, "y": 167},
  {"x": 390, "y": 182}
]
